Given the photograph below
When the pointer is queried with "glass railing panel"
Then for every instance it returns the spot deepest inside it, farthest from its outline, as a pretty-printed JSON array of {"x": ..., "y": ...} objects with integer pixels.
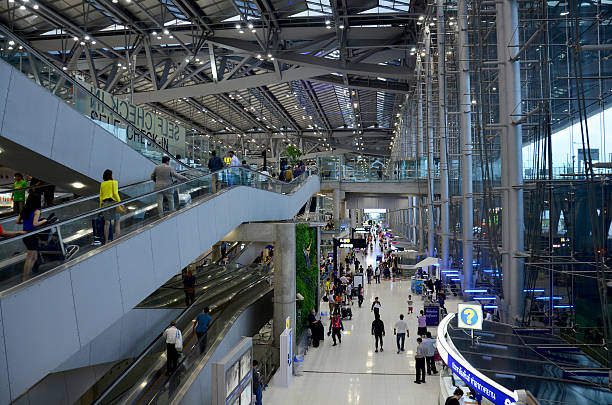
[
  {"x": 101, "y": 111},
  {"x": 82, "y": 230}
]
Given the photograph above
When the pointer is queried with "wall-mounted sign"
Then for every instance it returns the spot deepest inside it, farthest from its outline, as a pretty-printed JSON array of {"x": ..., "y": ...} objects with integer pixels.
[
  {"x": 469, "y": 316},
  {"x": 479, "y": 385},
  {"x": 166, "y": 133},
  {"x": 352, "y": 243}
]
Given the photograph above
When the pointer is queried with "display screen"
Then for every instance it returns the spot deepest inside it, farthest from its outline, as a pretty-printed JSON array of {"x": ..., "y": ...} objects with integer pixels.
[
  {"x": 232, "y": 378},
  {"x": 245, "y": 365},
  {"x": 246, "y": 396}
]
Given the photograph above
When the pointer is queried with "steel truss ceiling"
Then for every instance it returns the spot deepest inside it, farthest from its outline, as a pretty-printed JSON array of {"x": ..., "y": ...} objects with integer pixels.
[{"x": 318, "y": 72}]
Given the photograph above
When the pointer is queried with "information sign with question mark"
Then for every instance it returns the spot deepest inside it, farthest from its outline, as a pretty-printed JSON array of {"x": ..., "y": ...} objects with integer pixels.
[{"x": 469, "y": 316}]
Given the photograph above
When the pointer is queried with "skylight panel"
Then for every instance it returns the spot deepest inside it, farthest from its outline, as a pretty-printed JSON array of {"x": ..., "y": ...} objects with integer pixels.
[
  {"x": 114, "y": 27},
  {"x": 54, "y": 32},
  {"x": 176, "y": 22}
]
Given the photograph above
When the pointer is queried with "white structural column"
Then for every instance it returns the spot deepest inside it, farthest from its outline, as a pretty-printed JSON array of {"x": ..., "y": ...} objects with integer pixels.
[
  {"x": 419, "y": 120},
  {"x": 465, "y": 105},
  {"x": 511, "y": 157},
  {"x": 336, "y": 202},
  {"x": 444, "y": 209},
  {"x": 430, "y": 143},
  {"x": 284, "y": 278}
]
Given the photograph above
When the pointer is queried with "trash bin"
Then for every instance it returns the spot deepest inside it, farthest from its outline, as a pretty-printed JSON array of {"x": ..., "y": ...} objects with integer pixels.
[{"x": 298, "y": 364}]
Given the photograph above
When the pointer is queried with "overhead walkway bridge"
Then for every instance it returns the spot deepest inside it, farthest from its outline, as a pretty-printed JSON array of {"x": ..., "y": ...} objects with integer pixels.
[{"x": 82, "y": 290}]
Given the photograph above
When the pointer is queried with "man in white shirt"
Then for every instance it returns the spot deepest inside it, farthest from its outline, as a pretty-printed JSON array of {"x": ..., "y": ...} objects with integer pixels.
[
  {"x": 429, "y": 344},
  {"x": 401, "y": 330},
  {"x": 174, "y": 342},
  {"x": 234, "y": 162}
]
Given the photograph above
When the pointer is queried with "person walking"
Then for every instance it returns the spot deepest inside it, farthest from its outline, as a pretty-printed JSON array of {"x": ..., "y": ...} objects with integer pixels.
[
  {"x": 109, "y": 195},
  {"x": 420, "y": 362},
  {"x": 214, "y": 165},
  {"x": 410, "y": 304},
  {"x": 359, "y": 295},
  {"x": 455, "y": 398},
  {"x": 377, "y": 275},
  {"x": 163, "y": 175},
  {"x": 332, "y": 303},
  {"x": 369, "y": 274},
  {"x": 30, "y": 218},
  {"x": 189, "y": 283},
  {"x": 376, "y": 307},
  {"x": 174, "y": 343},
  {"x": 257, "y": 385},
  {"x": 429, "y": 343},
  {"x": 378, "y": 331},
  {"x": 422, "y": 324},
  {"x": 335, "y": 326},
  {"x": 19, "y": 197},
  {"x": 200, "y": 327},
  {"x": 400, "y": 330}
]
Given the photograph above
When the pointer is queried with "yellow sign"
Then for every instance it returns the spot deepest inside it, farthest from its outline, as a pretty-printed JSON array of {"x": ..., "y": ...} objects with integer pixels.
[
  {"x": 288, "y": 322},
  {"x": 227, "y": 160}
]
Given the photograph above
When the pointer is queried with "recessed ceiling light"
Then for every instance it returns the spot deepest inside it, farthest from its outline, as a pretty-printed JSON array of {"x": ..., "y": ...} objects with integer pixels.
[{"x": 77, "y": 184}]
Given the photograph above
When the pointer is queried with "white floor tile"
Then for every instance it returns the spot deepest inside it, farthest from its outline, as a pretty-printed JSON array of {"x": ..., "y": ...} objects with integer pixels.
[{"x": 352, "y": 373}]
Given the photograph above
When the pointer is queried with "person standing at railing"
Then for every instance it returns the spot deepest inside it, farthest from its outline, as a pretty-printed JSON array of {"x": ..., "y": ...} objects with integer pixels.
[
  {"x": 174, "y": 344},
  {"x": 163, "y": 175},
  {"x": 234, "y": 162},
  {"x": 19, "y": 196},
  {"x": 30, "y": 218},
  {"x": 109, "y": 195},
  {"x": 214, "y": 164}
]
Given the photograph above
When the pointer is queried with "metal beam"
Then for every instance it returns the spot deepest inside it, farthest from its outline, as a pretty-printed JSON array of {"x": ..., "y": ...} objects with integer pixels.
[
  {"x": 150, "y": 64},
  {"x": 225, "y": 86},
  {"x": 364, "y": 84},
  {"x": 331, "y": 65}
]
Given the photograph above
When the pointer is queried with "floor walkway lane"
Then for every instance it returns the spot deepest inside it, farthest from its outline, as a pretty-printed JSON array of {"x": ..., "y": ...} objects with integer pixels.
[{"x": 353, "y": 373}]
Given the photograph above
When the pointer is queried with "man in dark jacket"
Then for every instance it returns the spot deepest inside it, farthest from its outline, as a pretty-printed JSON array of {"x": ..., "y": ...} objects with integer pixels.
[
  {"x": 378, "y": 330},
  {"x": 335, "y": 326},
  {"x": 214, "y": 164}
]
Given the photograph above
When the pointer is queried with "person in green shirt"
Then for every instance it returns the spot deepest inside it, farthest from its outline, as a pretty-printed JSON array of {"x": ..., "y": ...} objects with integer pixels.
[{"x": 19, "y": 196}]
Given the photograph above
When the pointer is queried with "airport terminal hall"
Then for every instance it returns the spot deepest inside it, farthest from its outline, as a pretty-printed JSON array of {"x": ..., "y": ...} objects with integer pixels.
[{"x": 306, "y": 202}]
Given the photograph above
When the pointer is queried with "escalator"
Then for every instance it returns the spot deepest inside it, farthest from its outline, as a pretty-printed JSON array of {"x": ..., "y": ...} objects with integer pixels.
[
  {"x": 51, "y": 312},
  {"x": 145, "y": 380},
  {"x": 70, "y": 141}
]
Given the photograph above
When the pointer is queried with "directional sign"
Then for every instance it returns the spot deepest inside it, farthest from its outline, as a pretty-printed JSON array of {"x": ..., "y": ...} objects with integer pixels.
[{"x": 469, "y": 316}]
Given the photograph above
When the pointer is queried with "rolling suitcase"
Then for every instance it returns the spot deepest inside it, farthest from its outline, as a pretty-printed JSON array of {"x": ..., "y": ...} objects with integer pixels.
[{"x": 347, "y": 313}]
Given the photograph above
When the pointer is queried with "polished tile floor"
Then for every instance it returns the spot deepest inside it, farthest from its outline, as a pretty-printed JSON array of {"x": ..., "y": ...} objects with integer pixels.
[{"x": 352, "y": 373}]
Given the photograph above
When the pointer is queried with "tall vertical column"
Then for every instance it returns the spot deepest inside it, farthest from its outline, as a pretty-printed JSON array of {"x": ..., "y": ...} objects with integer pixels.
[
  {"x": 318, "y": 297},
  {"x": 421, "y": 223},
  {"x": 410, "y": 221},
  {"x": 430, "y": 144},
  {"x": 419, "y": 118},
  {"x": 336, "y": 211},
  {"x": 465, "y": 105},
  {"x": 443, "y": 184},
  {"x": 511, "y": 157},
  {"x": 284, "y": 279}
]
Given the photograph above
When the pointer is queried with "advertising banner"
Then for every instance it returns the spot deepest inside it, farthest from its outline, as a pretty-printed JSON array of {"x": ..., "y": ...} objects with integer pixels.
[{"x": 165, "y": 133}]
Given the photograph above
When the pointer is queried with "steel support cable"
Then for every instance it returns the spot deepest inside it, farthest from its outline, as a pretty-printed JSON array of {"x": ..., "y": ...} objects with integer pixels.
[{"x": 589, "y": 175}]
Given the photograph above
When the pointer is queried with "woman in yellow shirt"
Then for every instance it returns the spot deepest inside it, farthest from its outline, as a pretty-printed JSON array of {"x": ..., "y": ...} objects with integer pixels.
[{"x": 109, "y": 195}]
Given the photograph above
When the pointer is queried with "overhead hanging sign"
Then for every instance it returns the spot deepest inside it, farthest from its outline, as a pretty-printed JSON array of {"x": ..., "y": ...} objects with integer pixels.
[{"x": 108, "y": 108}]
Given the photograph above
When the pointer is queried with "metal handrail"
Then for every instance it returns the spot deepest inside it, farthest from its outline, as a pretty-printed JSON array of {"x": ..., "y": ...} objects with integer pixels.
[
  {"x": 73, "y": 82},
  {"x": 135, "y": 362},
  {"x": 103, "y": 209}
]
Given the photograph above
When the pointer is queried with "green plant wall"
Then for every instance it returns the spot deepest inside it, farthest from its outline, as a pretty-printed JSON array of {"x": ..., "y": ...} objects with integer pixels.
[{"x": 306, "y": 277}]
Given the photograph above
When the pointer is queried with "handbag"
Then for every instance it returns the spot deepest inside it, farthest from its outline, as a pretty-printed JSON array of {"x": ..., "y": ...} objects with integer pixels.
[
  {"x": 121, "y": 209},
  {"x": 178, "y": 343}
]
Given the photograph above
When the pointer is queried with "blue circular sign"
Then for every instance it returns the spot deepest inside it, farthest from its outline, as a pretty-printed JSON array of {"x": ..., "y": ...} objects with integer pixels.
[{"x": 469, "y": 316}]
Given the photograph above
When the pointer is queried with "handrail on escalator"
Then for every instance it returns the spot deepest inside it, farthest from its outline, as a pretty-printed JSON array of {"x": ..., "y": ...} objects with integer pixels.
[
  {"x": 231, "y": 170},
  {"x": 145, "y": 352},
  {"x": 58, "y": 71},
  {"x": 233, "y": 177},
  {"x": 89, "y": 197}
]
